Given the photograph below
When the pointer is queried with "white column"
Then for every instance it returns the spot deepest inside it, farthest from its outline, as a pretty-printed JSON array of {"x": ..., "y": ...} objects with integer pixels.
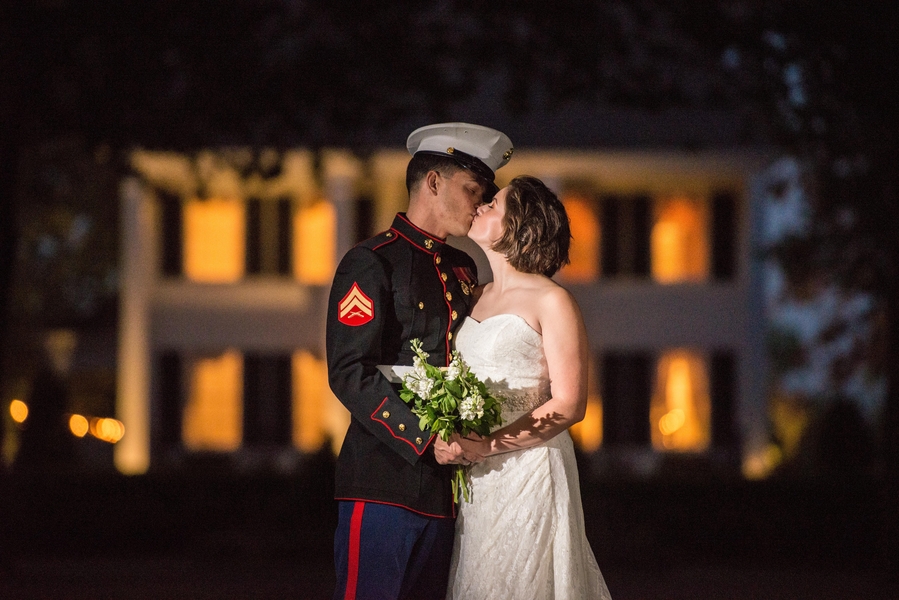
[
  {"x": 341, "y": 170},
  {"x": 753, "y": 410},
  {"x": 137, "y": 268}
]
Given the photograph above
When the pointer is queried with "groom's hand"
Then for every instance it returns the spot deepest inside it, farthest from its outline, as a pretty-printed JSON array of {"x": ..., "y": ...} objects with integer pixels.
[{"x": 452, "y": 453}]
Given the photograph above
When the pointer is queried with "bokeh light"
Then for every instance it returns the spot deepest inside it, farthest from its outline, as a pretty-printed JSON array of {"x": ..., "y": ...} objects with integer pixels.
[
  {"x": 18, "y": 410},
  {"x": 78, "y": 425},
  {"x": 108, "y": 430}
]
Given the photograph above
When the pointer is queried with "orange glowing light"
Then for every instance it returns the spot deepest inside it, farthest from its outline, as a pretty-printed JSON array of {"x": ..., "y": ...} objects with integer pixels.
[
  {"x": 213, "y": 415},
  {"x": 114, "y": 430},
  {"x": 588, "y": 433},
  {"x": 318, "y": 416},
  {"x": 78, "y": 425},
  {"x": 18, "y": 410},
  {"x": 678, "y": 242},
  {"x": 672, "y": 421},
  {"x": 680, "y": 408},
  {"x": 585, "y": 242},
  {"x": 214, "y": 240},
  {"x": 108, "y": 430},
  {"x": 315, "y": 243}
]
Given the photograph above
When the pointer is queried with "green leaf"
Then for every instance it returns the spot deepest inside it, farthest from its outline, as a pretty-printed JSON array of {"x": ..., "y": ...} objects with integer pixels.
[{"x": 454, "y": 388}]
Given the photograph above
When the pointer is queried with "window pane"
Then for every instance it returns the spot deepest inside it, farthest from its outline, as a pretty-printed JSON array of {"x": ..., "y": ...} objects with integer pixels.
[
  {"x": 585, "y": 242},
  {"x": 214, "y": 232},
  {"x": 679, "y": 241},
  {"x": 214, "y": 411},
  {"x": 680, "y": 411},
  {"x": 315, "y": 243},
  {"x": 318, "y": 416},
  {"x": 588, "y": 433}
]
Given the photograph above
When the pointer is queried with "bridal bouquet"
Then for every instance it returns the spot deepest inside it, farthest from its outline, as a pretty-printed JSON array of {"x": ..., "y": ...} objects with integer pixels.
[{"x": 449, "y": 400}]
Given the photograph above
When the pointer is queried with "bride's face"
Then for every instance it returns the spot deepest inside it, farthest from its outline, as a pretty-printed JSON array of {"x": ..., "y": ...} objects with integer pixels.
[{"x": 487, "y": 226}]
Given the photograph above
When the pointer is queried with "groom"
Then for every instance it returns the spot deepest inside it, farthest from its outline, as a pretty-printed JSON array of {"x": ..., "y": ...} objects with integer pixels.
[{"x": 395, "y": 526}]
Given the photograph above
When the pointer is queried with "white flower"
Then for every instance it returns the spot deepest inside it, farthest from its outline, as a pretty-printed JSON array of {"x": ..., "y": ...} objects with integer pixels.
[
  {"x": 453, "y": 371},
  {"x": 457, "y": 368},
  {"x": 419, "y": 383},
  {"x": 419, "y": 364},
  {"x": 472, "y": 408}
]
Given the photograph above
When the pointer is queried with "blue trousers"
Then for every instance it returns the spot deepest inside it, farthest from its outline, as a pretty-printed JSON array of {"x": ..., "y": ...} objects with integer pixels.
[{"x": 384, "y": 552}]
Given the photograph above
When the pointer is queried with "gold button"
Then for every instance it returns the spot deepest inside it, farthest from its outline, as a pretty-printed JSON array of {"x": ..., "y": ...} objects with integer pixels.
[
  {"x": 388, "y": 234},
  {"x": 421, "y": 305},
  {"x": 418, "y": 441},
  {"x": 443, "y": 276},
  {"x": 386, "y": 414},
  {"x": 429, "y": 244},
  {"x": 455, "y": 315},
  {"x": 449, "y": 336},
  {"x": 402, "y": 427},
  {"x": 449, "y": 296},
  {"x": 437, "y": 259},
  {"x": 465, "y": 289}
]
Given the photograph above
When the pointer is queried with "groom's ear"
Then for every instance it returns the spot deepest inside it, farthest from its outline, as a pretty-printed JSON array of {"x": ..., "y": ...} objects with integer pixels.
[{"x": 432, "y": 182}]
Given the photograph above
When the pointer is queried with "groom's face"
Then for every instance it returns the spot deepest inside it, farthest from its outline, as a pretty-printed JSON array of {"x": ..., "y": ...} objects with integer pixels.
[{"x": 458, "y": 201}]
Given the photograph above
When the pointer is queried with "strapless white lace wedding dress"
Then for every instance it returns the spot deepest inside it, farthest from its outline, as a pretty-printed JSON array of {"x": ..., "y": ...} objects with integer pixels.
[{"x": 522, "y": 535}]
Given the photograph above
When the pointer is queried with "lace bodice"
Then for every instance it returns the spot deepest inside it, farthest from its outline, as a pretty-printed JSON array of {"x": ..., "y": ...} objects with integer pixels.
[{"x": 507, "y": 355}]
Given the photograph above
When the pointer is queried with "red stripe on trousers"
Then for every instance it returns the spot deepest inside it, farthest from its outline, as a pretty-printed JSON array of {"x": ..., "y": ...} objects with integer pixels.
[{"x": 355, "y": 541}]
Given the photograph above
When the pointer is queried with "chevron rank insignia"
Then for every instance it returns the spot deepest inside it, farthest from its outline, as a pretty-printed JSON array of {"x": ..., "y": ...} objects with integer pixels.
[{"x": 356, "y": 308}]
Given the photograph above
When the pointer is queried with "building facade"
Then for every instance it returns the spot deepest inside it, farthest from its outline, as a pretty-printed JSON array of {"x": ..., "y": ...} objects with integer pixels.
[{"x": 228, "y": 257}]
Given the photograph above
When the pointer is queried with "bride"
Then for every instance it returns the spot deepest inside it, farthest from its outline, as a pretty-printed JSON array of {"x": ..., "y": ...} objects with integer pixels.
[{"x": 522, "y": 535}]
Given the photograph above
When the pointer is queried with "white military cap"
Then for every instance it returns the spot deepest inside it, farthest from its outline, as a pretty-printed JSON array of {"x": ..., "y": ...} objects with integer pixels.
[{"x": 480, "y": 149}]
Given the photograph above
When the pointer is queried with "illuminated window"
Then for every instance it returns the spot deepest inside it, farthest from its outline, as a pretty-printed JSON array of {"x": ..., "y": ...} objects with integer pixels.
[
  {"x": 678, "y": 242},
  {"x": 318, "y": 416},
  {"x": 585, "y": 242},
  {"x": 315, "y": 243},
  {"x": 214, "y": 240},
  {"x": 214, "y": 413},
  {"x": 588, "y": 433},
  {"x": 680, "y": 412}
]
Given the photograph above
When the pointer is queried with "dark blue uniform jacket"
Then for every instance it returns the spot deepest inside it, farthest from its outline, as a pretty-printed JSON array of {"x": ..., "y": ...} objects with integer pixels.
[{"x": 399, "y": 285}]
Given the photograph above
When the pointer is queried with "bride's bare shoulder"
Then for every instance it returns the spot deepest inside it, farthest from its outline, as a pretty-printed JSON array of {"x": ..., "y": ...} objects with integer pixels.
[
  {"x": 553, "y": 299},
  {"x": 544, "y": 287}
]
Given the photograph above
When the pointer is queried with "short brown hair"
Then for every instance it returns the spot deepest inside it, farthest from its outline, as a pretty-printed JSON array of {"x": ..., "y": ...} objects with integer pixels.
[
  {"x": 536, "y": 232},
  {"x": 421, "y": 163}
]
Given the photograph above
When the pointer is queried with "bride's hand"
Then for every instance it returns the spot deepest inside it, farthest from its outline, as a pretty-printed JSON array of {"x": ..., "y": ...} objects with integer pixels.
[
  {"x": 452, "y": 452},
  {"x": 475, "y": 446}
]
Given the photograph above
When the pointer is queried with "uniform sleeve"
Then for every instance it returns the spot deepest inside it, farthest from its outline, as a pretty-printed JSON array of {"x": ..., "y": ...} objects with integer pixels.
[{"x": 360, "y": 301}]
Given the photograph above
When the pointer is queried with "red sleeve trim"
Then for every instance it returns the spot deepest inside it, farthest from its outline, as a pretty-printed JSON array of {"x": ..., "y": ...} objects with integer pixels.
[{"x": 375, "y": 417}]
